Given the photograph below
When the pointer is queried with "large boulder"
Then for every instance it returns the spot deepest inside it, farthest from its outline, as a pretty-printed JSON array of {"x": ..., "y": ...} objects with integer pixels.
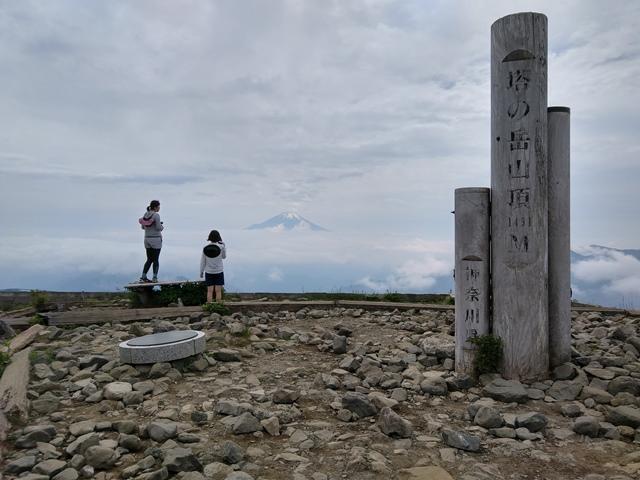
[
  {"x": 116, "y": 390},
  {"x": 624, "y": 384},
  {"x": 181, "y": 460},
  {"x": 506, "y": 391},
  {"x": 461, "y": 440},
  {"x": 359, "y": 404},
  {"x": 565, "y": 390},
  {"x": 624, "y": 415},
  {"x": 532, "y": 421},
  {"x": 488, "y": 417},
  {"x": 394, "y": 425}
]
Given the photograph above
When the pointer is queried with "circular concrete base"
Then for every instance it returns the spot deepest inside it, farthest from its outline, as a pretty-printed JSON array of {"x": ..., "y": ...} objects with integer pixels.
[{"x": 162, "y": 347}]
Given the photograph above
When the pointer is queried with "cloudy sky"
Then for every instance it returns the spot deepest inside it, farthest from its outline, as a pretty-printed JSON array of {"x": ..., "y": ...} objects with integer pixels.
[{"x": 361, "y": 115}]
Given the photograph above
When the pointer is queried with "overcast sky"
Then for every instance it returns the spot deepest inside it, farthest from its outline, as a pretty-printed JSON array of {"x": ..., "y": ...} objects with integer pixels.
[{"x": 363, "y": 116}]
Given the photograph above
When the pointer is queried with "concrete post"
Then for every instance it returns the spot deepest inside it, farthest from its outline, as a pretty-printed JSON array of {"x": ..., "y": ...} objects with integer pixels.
[
  {"x": 471, "y": 271},
  {"x": 519, "y": 198},
  {"x": 559, "y": 237}
]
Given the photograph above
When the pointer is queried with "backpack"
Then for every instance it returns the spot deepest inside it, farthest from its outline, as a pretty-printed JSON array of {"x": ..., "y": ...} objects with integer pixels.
[
  {"x": 146, "y": 222},
  {"x": 212, "y": 251}
]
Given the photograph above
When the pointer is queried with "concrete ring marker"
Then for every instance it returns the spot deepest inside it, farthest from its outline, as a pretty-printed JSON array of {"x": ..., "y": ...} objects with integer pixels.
[{"x": 162, "y": 347}]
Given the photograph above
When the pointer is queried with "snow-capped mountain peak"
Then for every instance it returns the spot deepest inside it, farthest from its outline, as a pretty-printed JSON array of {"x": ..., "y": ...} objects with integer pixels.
[{"x": 286, "y": 221}]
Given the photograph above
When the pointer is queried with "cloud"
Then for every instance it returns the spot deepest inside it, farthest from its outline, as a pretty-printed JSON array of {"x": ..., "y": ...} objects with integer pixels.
[
  {"x": 411, "y": 276},
  {"x": 276, "y": 275},
  {"x": 608, "y": 275}
]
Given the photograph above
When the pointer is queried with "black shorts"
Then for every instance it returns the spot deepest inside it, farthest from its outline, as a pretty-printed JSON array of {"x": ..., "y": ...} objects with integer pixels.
[{"x": 211, "y": 279}]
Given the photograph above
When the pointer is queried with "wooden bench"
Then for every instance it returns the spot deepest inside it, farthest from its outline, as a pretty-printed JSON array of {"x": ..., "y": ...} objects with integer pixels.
[{"x": 144, "y": 290}]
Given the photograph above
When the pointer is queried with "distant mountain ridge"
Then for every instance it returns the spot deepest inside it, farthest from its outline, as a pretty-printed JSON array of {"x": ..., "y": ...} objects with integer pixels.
[{"x": 287, "y": 221}]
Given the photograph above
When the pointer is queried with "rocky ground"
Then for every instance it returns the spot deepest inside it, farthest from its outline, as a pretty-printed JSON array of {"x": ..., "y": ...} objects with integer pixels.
[{"x": 320, "y": 395}]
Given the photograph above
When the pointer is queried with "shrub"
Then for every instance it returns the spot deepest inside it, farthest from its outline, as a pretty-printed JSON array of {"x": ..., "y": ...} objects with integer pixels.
[
  {"x": 37, "y": 320},
  {"x": 488, "y": 354},
  {"x": 392, "y": 297},
  {"x": 39, "y": 300},
  {"x": 215, "y": 307},
  {"x": 5, "y": 359}
]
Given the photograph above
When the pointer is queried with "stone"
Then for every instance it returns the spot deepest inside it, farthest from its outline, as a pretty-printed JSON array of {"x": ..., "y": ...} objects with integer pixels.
[
  {"x": 130, "y": 442},
  {"x": 159, "y": 369},
  {"x": 227, "y": 355},
  {"x": 461, "y": 440},
  {"x": 571, "y": 410},
  {"x": 566, "y": 371},
  {"x": 359, "y": 404},
  {"x": 524, "y": 434},
  {"x": 503, "y": 432},
  {"x": 217, "y": 470},
  {"x": 532, "y": 421},
  {"x": 602, "y": 373},
  {"x": 100, "y": 457},
  {"x": 81, "y": 428},
  {"x": 238, "y": 476},
  {"x": 394, "y": 425},
  {"x": 434, "y": 386},
  {"x": 586, "y": 425},
  {"x": 460, "y": 381},
  {"x": 246, "y": 423},
  {"x": 506, "y": 391},
  {"x": 80, "y": 444},
  {"x": 133, "y": 398},
  {"x": 624, "y": 415},
  {"x": 181, "y": 460},
  {"x": 624, "y": 384},
  {"x": 50, "y": 467},
  {"x": 600, "y": 396},
  {"x": 125, "y": 426},
  {"x": 285, "y": 396},
  {"x": 19, "y": 465},
  {"x": 381, "y": 401},
  {"x": 116, "y": 390},
  {"x": 271, "y": 425},
  {"x": 424, "y": 473},
  {"x": 231, "y": 453},
  {"x": 67, "y": 474},
  {"x": 564, "y": 390},
  {"x": 488, "y": 417},
  {"x": 339, "y": 344},
  {"x": 162, "y": 431},
  {"x": 34, "y": 434}
]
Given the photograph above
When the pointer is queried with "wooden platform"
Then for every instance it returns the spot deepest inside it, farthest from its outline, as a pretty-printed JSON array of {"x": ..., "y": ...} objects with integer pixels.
[{"x": 143, "y": 285}]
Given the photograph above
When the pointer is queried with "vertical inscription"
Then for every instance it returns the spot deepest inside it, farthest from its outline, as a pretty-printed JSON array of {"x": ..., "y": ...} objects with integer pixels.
[
  {"x": 520, "y": 195},
  {"x": 473, "y": 293}
]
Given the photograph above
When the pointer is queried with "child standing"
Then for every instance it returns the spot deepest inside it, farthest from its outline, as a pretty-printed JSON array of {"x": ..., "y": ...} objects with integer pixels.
[{"x": 211, "y": 265}]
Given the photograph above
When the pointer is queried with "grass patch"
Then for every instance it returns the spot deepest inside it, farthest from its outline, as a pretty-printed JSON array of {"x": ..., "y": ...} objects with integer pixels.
[
  {"x": 488, "y": 355},
  {"x": 215, "y": 307},
  {"x": 42, "y": 356},
  {"x": 5, "y": 359}
]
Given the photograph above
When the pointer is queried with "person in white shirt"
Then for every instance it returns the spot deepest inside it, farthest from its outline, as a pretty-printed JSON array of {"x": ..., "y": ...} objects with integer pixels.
[{"x": 211, "y": 265}]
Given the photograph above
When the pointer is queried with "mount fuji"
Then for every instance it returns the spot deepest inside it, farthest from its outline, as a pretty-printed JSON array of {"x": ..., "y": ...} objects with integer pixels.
[{"x": 287, "y": 221}]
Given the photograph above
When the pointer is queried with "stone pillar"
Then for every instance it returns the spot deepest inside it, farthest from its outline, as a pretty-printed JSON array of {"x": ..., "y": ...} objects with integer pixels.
[
  {"x": 519, "y": 198},
  {"x": 559, "y": 237},
  {"x": 471, "y": 271}
]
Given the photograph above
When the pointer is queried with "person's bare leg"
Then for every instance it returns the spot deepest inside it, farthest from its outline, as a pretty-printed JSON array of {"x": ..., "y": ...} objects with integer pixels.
[
  {"x": 210, "y": 294},
  {"x": 218, "y": 293}
]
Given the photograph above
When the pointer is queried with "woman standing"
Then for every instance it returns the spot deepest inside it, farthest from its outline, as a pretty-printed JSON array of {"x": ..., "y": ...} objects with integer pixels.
[
  {"x": 211, "y": 265},
  {"x": 152, "y": 226}
]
